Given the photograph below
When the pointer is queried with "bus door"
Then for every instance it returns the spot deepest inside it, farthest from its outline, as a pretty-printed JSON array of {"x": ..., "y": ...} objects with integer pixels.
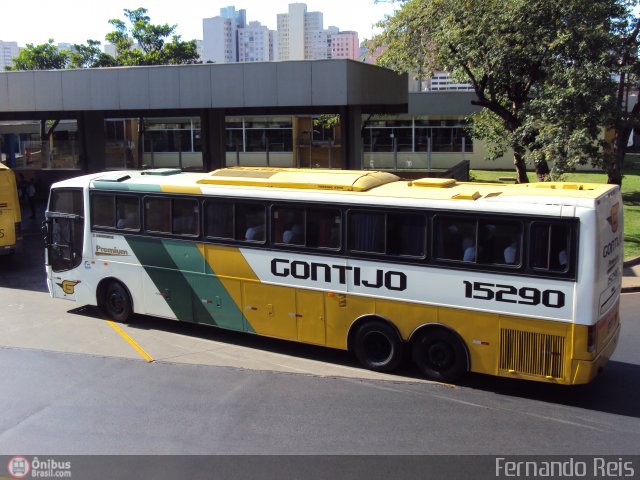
[{"x": 64, "y": 234}]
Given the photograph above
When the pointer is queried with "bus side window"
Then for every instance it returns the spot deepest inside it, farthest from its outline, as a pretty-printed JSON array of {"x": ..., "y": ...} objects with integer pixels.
[
  {"x": 250, "y": 222},
  {"x": 185, "y": 217},
  {"x": 157, "y": 216},
  {"x": 500, "y": 242},
  {"x": 367, "y": 232},
  {"x": 406, "y": 234},
  {"x": 102, "y": 210},
  {"x": 218, "y": 220},
  {"x": 323, "y": 228},
  {"x": 550, "y": 246},
  {"x": 128, "y": 212},
  {"x": 455, "y": 239},
  {"x": 288, "y": 226}
]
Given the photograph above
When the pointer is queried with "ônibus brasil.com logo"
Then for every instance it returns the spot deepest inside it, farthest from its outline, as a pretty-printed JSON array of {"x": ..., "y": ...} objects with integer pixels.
[{"x": 19, "y": 467}]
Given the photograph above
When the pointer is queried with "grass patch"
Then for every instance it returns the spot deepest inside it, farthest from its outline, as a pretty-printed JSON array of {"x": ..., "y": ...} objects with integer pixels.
[{"x": 630, "y": 197}]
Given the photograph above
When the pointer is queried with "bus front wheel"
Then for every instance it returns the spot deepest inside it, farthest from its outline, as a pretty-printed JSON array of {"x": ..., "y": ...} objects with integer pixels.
[
  {"x": 117, "y": 303},
  {"x": 377, "y": 346},
  {"x": 440, "y": 354}
]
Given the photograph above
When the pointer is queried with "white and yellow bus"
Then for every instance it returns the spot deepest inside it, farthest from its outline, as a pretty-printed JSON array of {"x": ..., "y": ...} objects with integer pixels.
[
  {"x": 519, "y": 281},
  {"x": 10, "y": 215}
]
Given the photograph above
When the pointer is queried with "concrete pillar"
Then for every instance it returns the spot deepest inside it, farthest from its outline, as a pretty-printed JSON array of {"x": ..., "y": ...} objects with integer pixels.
[
  {"x": 212, "y": 136},
  {"x": 93, "y": 141},
  {"x": 11, "y": 150},
  {"x": 351, "y": 131}
]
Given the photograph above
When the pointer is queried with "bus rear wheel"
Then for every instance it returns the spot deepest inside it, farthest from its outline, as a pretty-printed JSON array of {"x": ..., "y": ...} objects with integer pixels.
[
  {"x": 117, "y": 303},
  {"x": 440, "y": 355},
  {"x": 378, "y": 347}
]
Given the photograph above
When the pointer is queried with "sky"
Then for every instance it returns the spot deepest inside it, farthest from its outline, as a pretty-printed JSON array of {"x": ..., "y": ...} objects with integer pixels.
[{"x": 76, "y": 21}]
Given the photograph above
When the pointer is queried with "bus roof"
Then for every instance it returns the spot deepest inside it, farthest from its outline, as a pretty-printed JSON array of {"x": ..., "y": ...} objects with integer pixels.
[{"x": 349, "y": 182}]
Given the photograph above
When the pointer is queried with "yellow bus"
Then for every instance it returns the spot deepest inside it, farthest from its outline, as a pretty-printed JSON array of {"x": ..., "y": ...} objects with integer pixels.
[
  {"x": 10, "y": 216},
  {"x": 519, "y": 281}
]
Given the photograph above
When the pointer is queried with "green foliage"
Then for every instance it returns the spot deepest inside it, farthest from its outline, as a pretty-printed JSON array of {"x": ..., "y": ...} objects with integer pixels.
[
  {"x": 45, "y": 56},
  {"x": 327, "y": 120},
  {"x": 143, "y": 43},
  {"x": 90, "y": 56},
  {"x": 540, "y": 68}
]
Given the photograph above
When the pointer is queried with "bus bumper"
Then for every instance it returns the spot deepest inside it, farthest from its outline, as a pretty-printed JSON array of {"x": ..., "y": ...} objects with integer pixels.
[{"x": 586, "y": 370}]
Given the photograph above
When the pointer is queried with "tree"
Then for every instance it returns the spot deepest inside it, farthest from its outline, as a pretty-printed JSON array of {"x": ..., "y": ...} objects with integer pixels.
[
  {"x": 90, "y": 56},
  {"x": 143, "y": 43},
  {"x": 625, "y": 65},
  {"x": 520, "y": 56},
  {"x": 45, "y": 56}
]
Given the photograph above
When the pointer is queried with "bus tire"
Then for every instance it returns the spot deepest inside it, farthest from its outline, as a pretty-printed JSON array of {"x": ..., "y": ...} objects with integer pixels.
[
  {"x": 440, "y": 354},
  {"x": 378, "y": 346},
  {"x": 117, "y": 302}
]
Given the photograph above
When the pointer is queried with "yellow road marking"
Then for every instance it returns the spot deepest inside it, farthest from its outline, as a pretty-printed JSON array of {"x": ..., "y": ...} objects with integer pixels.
[{"x": 131, "y": 341}]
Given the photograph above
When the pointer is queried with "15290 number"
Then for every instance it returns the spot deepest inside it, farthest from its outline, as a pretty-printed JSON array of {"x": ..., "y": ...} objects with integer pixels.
[{"x": 511, "y": 294}]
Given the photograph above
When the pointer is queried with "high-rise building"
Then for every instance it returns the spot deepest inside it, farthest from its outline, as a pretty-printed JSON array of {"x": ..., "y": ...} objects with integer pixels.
[
  {"x": 345, "y": 45},
  {"x": 301, "y": 35},
  {"x": 228, "y": 38},
  {"x": 253, "y": 43},
  {"x": 219, "y": 40},
  {"x": 8, "y": 50}
]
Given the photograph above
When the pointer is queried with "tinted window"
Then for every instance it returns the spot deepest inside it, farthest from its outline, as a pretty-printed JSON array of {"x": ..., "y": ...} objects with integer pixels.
[
  {"x": 323, "y": 228},
  {"x": 227, "y": 220},
  {"x": 185, "y": 217},
  {"x": 406, "y": 234},
  {"x": 306, "y": 227},
  {"x": 550, "y": 246},
  {"x": 250, "y": 222},
  {"x": 102, "y": 208},
  {"x": 367, "y": 232},
  {"x": 482, "y": 241},
  {"x": 455, "y": 238},
  {"x": 218, "y": 220},
  {"x": 288, "y": 225},
  {"x": 128, "y": 213},
  {"x": 157, "y": 215},
  {"x": 67, "y": 201}
]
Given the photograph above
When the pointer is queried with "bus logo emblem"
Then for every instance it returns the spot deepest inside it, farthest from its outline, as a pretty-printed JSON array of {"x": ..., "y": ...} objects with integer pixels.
[
  {"x": 68, "y": 286},
  {"x": 613, "y": 219}
]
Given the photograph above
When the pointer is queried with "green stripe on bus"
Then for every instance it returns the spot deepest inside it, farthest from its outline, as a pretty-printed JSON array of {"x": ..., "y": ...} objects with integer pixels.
[
  {"x": 186, "y": 282},
  {"x": 207, "y": 288},
  {"x": 136, "y": 187}
]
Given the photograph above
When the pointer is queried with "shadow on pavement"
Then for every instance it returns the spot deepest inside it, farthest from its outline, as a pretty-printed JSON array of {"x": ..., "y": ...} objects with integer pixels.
[
  {"x": 248, "y": 340},
  {"x": 615, "y": 390}
]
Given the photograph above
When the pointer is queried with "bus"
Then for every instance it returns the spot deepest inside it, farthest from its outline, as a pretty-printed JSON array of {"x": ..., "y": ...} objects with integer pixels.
[
  {"x": 10, "y": 215},
  {"x": 518, "y": 281}
]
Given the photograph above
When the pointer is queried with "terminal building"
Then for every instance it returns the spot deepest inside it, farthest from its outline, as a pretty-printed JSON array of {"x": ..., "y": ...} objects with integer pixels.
[{"x": 317, "y": 114}]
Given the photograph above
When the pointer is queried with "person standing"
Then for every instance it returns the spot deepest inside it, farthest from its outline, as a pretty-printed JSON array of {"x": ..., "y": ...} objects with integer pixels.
[{"x": 31, "y": 196}]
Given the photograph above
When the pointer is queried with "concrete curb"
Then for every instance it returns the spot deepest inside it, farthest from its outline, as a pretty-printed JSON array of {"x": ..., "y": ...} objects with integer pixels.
[
  {"x": 629, "y": 264},
  {"x": 630, "y": 290}
]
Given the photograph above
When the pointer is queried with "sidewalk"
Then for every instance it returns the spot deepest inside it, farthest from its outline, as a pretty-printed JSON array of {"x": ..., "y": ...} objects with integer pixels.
[{"x": 631, "y": 276}]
